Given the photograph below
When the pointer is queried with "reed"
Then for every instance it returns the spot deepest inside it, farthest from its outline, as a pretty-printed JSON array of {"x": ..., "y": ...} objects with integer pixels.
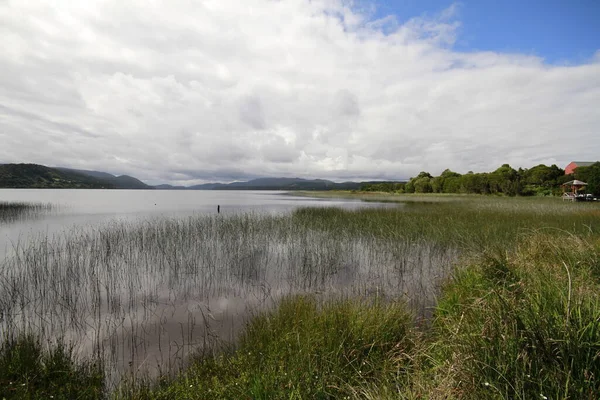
[
  {"x": 15, "y": 211},
  {"x": 144, "y": 296}
]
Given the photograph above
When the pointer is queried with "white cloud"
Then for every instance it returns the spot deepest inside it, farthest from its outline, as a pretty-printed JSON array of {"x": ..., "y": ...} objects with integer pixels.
[{"x": 186, "y": 91}]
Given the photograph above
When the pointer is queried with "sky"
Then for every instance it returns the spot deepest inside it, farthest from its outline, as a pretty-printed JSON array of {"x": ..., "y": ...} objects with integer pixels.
[
  {"x": 561, "y": 32},
  {"x": 194, "y": 91}
]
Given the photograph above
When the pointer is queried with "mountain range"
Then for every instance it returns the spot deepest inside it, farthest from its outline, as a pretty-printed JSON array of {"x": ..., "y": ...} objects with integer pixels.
[{"x": 40, "y": 176}]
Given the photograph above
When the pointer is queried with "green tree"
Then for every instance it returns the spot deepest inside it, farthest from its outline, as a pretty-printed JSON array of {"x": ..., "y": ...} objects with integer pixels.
[
  {"x": 437, "y": 184},
  {"x": 504, "y": 180},
  {"x": 423, "y": 185},
  {"x": 541, "y": 180},
  {"x": 590, "y": 175},
  {"x": 474, "y": 183},
  {"x": 420, "y": 184},
  {"x": 450, "y": 181},
  {"x": 543, "y": 175}
]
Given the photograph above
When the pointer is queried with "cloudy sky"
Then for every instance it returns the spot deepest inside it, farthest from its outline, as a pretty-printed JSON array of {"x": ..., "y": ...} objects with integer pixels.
[{"x": 189, "y": 91}]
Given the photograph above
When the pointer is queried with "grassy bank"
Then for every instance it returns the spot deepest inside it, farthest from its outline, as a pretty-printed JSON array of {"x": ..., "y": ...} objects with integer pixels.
[
  {"x": 388, "y": 196},
  {"x": 304, "y": 349},
  {"x": 326, "y": 303},
  {"x": 30, "y": 370},
  {"x": 525, "y": 324}
]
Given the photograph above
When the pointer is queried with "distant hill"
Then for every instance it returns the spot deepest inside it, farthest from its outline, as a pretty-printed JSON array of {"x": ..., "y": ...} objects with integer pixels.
[
  {"x": 39, "y": 176},
  {"x": 119, "y": 182},
  {"x": 95, "y": 174},
  {"x": 170, "y": 187},
  {"x": 280, "y": 184},
  {"x": 207, "y": 186}
]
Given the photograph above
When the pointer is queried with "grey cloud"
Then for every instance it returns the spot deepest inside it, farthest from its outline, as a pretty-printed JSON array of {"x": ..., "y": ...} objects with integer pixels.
[
  {"x": 46, "y": 123},
  {"x": 346, "y": 103},
  {"x": 251, "y": 113},
  {"x": 278, "y": 151}
]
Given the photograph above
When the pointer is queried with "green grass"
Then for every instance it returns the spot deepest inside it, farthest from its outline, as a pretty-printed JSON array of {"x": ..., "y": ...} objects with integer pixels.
[
  {"x": 304, "y": 349},
  {"x": 473, "y": 224},
  {"x": 527, "y": 325},
  {"x": 29, "y": 371}
]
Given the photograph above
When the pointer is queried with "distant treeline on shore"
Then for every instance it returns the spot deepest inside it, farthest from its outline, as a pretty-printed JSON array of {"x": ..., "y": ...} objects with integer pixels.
[{"x": 540, "y": 180}]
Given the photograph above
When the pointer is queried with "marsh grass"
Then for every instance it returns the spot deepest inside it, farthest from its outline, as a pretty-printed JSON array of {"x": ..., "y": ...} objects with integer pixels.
[
  {"x": 143, "y": 297},
  {"x": 526, "y": 325},
  {"x": 29, "y": 370},
  {"x": 306, "y": 348}
]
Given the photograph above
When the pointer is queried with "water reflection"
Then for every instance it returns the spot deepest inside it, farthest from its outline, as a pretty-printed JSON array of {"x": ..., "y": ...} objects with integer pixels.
[
  {"x": 146, "y": 294},
  {"x": 73, "y": 208}
]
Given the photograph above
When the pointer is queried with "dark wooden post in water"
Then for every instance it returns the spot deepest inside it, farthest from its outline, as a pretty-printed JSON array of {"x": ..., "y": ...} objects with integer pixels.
[{"x": 218, "y": 209}]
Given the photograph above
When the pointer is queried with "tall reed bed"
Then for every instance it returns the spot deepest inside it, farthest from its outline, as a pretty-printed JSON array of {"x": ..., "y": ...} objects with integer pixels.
[
  {"x": 15, "y": 211},
  {"x": 142, "y": 296}
]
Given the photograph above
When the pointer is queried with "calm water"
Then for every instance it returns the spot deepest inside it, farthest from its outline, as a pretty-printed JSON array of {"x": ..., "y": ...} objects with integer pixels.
[{"x": 80, "y": 208}]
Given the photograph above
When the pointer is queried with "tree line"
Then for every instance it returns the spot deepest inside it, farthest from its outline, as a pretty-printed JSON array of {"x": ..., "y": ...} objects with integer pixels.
[{"x": 540, "y": 180}]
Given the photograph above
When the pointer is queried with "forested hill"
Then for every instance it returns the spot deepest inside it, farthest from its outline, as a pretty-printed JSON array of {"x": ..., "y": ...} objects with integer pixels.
[
  {"x": 282, "y": 184},
  {"x": 118, "y": 182},
  {"x": 39, "y": 176}
]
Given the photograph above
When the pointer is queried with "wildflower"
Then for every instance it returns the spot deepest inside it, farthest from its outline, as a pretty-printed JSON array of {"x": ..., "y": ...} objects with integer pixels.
[
  {"x": 486, "y": 384},
  {"x": 543, "y": 397}
]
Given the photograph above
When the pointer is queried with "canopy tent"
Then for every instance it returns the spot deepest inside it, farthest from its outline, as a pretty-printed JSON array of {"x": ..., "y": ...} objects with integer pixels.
[
  {"x": 575, "y": 182},
  {"x": 575, "y": 185}
]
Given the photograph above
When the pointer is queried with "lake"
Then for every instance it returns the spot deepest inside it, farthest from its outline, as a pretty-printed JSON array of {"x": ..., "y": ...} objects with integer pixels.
[{"x": 83, "y": 208}]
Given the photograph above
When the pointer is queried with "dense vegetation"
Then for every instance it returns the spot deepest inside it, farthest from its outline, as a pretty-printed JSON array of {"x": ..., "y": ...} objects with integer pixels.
[
  {"x": 591, "y": 176},
  {"x": 540, "y": 180},
  {"x": 28, "y": 370},
  {"x": 454, "y": 297}
]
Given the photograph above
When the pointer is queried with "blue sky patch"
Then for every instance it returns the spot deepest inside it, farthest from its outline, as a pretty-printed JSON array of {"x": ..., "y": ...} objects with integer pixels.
[{"x": 559, "y": 31}]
